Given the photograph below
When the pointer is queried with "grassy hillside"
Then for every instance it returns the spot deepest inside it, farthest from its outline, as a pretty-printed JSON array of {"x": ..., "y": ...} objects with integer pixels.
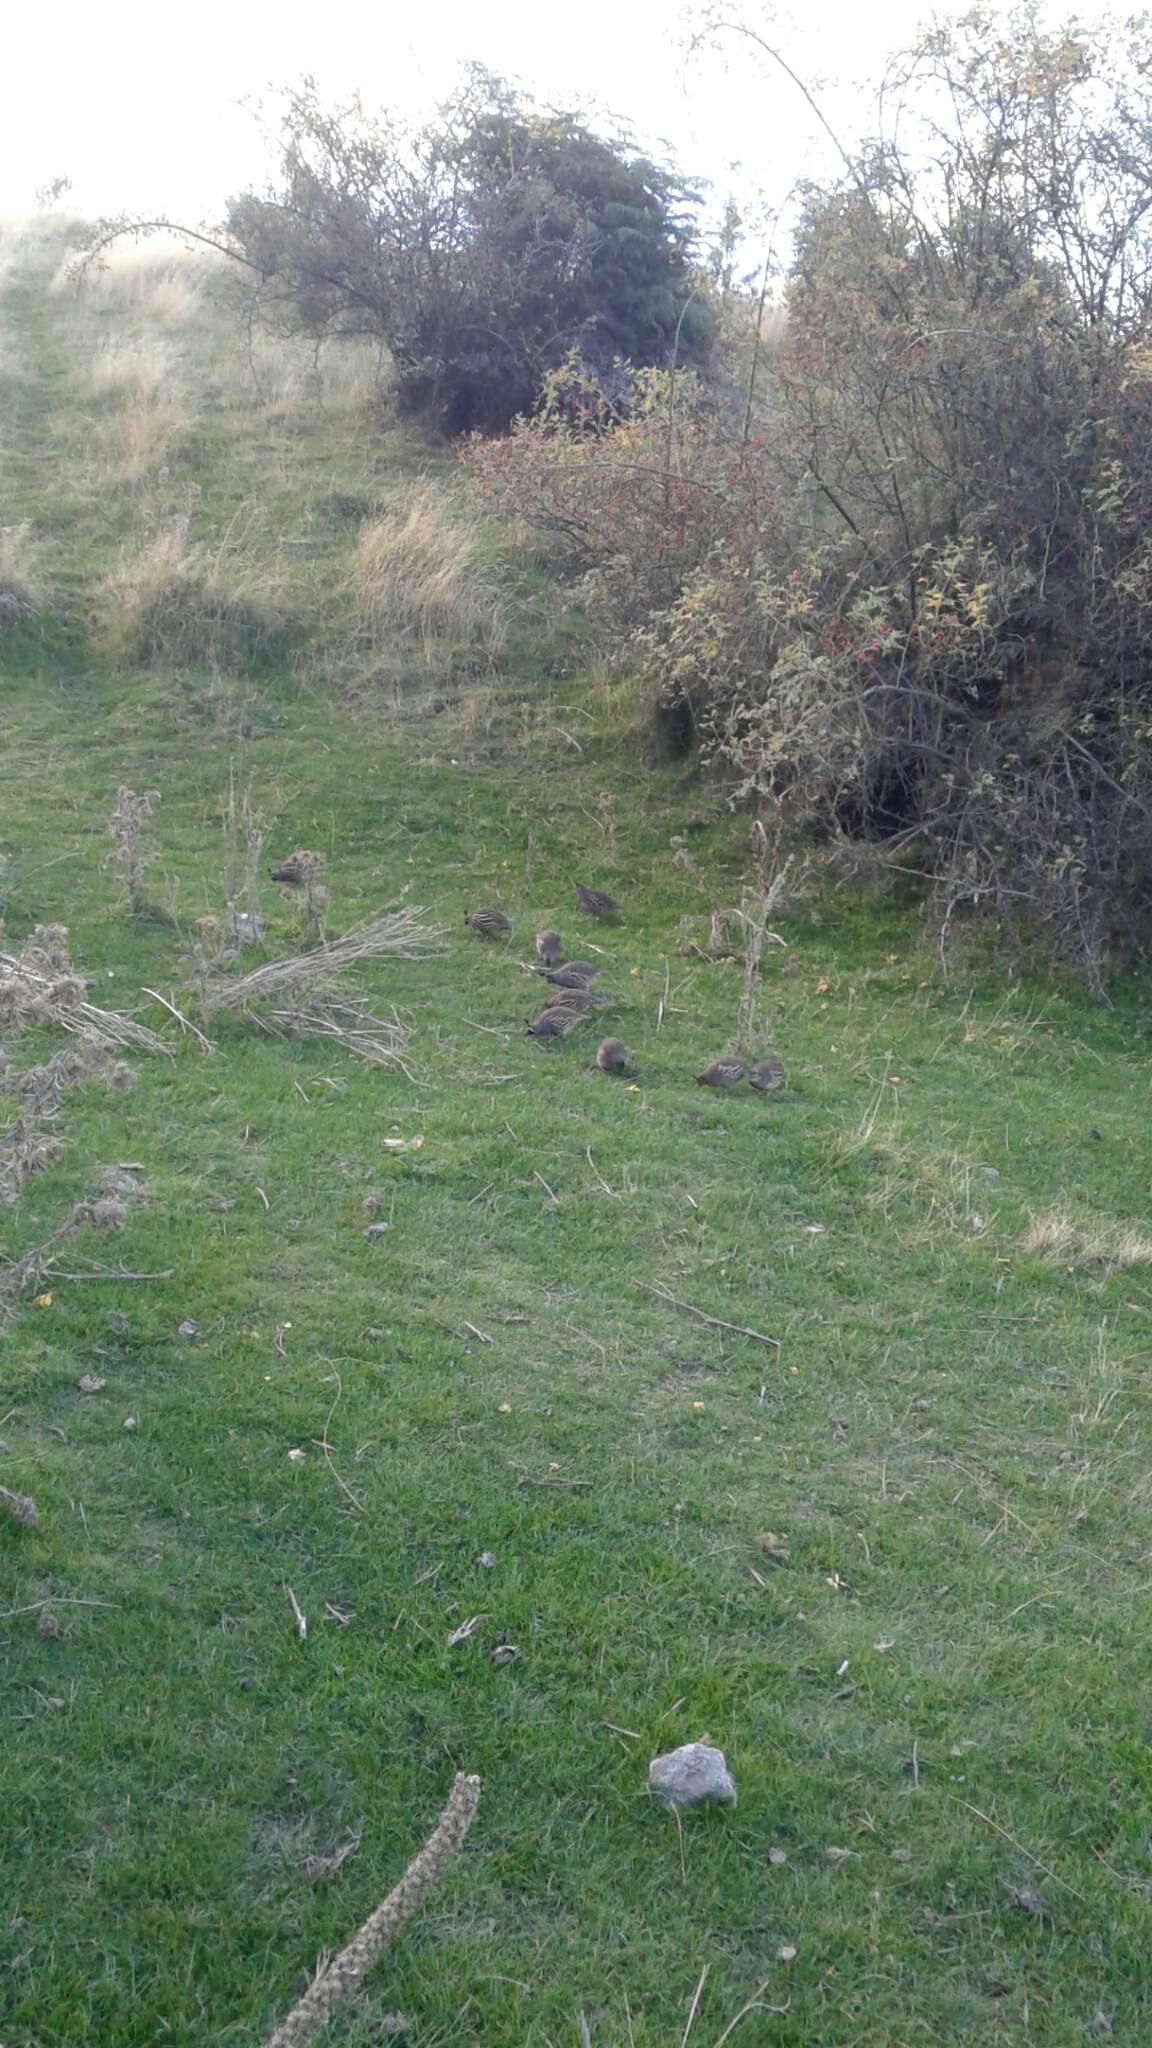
[{"x": 897, "y": 1568}]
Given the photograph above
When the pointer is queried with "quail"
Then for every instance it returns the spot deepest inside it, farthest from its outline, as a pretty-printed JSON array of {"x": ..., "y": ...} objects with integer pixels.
[
  {"x": 549, "y": 948},
  {"x": 491, "y": 924},
  {"x": 578, "y": 999},
  {"x": 595, "y": 902},
  {"x": 611, "y": 1056},
  {"x": 573, "y": 974},
  {"x": 552, "y": 1023},
  {"x": 721, "y": 1073},
  {"x": 297, "y": 868},
  {"x": 766, "y": 1075}
]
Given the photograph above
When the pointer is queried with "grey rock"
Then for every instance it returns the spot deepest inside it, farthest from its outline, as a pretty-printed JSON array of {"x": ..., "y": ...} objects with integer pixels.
[{"x": 694, "y": 1775}]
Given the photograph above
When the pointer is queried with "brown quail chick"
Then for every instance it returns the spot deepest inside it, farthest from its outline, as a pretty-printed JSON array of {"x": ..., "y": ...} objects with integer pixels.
[
  {"x": 573, "y": 974},
  {"x": 552, "y": 1023},
  {"x": 721, "y": 1073},
  {"x": 766, "y": 1075},
  {"x": 611, "y": 1056},
  {"x": 490, "y": 924},
  {"x": 297, "y": 868},
  {"x": 549, "y": 948},
  {"x": 595, "y": 902}
]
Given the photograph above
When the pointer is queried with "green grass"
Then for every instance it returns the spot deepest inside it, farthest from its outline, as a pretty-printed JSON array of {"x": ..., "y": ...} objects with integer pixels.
[{"x": 940, "y": 1667}]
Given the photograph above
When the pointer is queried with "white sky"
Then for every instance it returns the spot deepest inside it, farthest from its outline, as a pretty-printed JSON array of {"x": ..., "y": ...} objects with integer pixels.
[{"x": 141, "y": 105}]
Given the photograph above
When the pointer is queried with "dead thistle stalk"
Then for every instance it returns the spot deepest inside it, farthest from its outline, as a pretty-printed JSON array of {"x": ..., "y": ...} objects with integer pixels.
[
  {"x": 337, "y": 1978},
  {"x": 132, "y": 851}
]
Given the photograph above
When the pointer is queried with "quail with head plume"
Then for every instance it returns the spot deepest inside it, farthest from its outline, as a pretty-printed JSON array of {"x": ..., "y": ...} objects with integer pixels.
[
  {"x": 552, "y": 1023},
  {"x": 766, "y": 1075},
  {"x": 595, "y": 902},
  {"x": 611, "y": 1056},
  {"x": 297, "y": 868},
  {"x": 573, "y": 974},
  {"x": 491, "y": 923},
  {"x": 721, "y": 1073},
  {"x": 549, "y": 948}
]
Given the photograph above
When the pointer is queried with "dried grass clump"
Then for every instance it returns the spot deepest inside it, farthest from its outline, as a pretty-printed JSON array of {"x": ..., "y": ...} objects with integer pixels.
[
  {"x": 157, "y": 278},
  {"x": 177, "y": 600},
  {"x": 39, "y": 985},
  {"x": 303, "y": 995},
  {"x": 287, "y": 375},
  {"x": 421, "y": 574},
  {"x": 398, "y": 934},
  {"x": 1114, "y": 1247},
  {"x": 20, "y": 1506},
  {"x": 141, "y": 368},
  {"x": 104, "y": 1208},
  {"x": 29, "y": 1145},
  {"x": 23, "y": 591}
]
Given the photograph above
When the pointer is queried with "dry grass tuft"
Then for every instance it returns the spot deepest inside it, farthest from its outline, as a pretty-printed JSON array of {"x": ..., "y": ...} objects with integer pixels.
[
  {"x": 302, "y": 995},
  {"x": 23, "y": 592},
  {"x": 39, "y": 985},
  {"x": 421, "y": 575},
  {"x": 176, "y": 600},
  {"x": 20, "y": 1506},
  {"x": 1113, "y": 1247}
]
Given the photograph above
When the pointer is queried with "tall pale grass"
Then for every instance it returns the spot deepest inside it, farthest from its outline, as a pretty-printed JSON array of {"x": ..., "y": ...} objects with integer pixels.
[
  {"x": 421, "y": 576},
  {"x": 176, "y": 600}
]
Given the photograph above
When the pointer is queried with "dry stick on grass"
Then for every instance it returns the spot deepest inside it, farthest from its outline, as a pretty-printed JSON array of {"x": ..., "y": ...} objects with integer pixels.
[
  {"x": 714, "y": 1322},
  {"x": 694, "y": 2007},
  {"x": 345, "y": 1971}
]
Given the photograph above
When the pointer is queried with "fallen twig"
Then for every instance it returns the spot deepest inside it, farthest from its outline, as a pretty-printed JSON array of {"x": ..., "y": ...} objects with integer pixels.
[
  {"x": 299, "y": 1618},
  {"x": 55, "y": 1600},
  {"x": 714, "y": 1322},
  {"x": 600, "y": 1177},
  {"x": 693, "y": 2008},
  {"x": 337, "y": 1978},
  {"x": 1022, "y": 1851}
]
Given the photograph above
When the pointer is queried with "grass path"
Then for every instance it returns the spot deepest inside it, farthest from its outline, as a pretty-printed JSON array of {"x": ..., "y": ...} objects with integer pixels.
[{"x": 931, "y": 1683}]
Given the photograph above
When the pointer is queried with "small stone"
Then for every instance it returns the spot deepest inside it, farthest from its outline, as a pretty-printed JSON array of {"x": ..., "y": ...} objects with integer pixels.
[
  {"x": 129, "y": 1423},
  {"x": 91, "y": 1383},
  {"x": 776, "y": 1857},
  {"x": 786, "y": 1953},
  {"x": 693, "y": 1775},
  {"x": 377, "y": 1229},
  {"x": 487, "y": 1558},
  {"x": 189, "y": 1328}
]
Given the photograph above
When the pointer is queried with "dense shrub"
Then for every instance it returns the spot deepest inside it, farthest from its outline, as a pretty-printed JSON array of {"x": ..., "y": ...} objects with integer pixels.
[
  {"x": 923, "y": 610},
  {"x": 478, "y": 249}
]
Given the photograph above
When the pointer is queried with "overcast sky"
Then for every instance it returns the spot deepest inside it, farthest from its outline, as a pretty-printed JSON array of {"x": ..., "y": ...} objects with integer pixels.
[{"x": 143, "y": 107}]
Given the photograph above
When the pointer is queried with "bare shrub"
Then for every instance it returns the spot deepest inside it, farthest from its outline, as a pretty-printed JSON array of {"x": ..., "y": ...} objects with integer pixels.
[
  {"x": 421, "y": 575},
  {"x": 177, "y": 600},
  {"x": 132, "y": 850}
]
